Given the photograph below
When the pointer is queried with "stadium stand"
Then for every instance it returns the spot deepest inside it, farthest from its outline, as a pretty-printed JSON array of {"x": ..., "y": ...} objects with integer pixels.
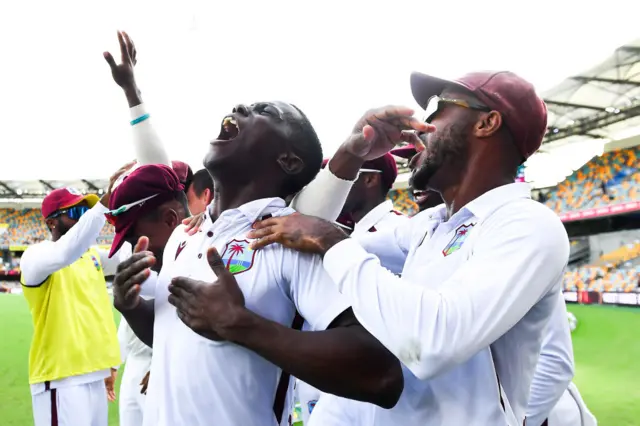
[
  {"x": 403, "y": 201},
  {"x": 26, "y": 226},
  {"x": 618, "y": 270},
  {"x": 611, "y": 178}
]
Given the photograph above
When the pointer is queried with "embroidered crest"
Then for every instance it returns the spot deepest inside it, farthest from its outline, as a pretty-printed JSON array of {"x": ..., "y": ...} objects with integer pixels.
[
  {"x": 456, "y": 243},
  {"x": 237, "y": 256},
  {"x": 96, "y": 263},
  {"x": 311, "y": 405},
  {"x": 180, "y": 248}
]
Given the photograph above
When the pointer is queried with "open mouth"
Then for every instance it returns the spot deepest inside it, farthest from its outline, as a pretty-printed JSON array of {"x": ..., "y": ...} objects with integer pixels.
[
  {"x": 420, "y": 196},
  {"x": 229, "y": 129}
]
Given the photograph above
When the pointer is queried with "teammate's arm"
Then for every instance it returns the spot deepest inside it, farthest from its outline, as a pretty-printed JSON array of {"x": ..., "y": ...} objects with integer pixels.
[
  {"x": 147, "y": 144},
  {"x": 43, "y": 259},
  {"x": 512, "y": 267},
  {"x": 377, "y": 132},
  {"x": 340, "y": 357},
  {"x": 555, "y": 367}
]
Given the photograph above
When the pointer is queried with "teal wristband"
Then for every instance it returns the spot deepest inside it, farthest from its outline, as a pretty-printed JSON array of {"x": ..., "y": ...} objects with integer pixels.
[{"x": 139, "y": 119}]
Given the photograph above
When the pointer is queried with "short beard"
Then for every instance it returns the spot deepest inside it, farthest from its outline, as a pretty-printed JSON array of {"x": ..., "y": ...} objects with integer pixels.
[
  {"x": 62, "y": 227},
  {"x": 451, "y": 150}
]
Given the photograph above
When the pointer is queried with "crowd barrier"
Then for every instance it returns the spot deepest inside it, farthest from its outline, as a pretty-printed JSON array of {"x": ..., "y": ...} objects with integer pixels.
[{"x": 602, "y": 298}]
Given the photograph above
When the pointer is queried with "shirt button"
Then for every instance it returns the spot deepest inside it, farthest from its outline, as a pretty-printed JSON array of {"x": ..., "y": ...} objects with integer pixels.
[
  {"x": 199, "y": 255},
  {"x": 209, "y": 234}
]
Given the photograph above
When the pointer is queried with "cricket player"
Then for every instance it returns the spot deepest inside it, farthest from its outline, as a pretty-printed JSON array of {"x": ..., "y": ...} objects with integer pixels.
[
  {"x": 480, "y": 275},
  {"x": 74, "y": 345},
  {"x": 205, "y": 364}
]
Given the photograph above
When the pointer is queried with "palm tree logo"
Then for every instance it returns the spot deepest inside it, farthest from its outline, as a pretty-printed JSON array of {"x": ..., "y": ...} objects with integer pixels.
[{"x": 237, "y": 256}]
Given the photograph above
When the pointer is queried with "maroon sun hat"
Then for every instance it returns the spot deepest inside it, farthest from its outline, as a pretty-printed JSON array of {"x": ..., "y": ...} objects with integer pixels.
[
  {"x": 523, "y": 111},
  {"x": 386, "y": 165},
  {"x": 63, "y": 198},
  {"x": 142, "y": 191}
]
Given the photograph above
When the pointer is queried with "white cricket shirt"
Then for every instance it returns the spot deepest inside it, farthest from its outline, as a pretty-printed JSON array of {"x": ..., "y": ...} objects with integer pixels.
[
  {"x": 383, "y": 217},
  {"x": 195, "y": 381},
  {"x": 476, "y": 293}
]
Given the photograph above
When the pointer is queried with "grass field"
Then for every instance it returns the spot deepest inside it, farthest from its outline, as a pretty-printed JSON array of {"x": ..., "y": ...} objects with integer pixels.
[{"x": 606, "y": 345}]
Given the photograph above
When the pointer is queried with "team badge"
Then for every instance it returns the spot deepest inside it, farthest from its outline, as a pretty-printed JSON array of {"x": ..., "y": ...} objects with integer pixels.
[
  {"x": 180, "y": 248},
  {"x": 458, "y": 240},
  {"x": 237, "y": 256},
  {"x": 95, "y": 263},
  {"x": 311, "y": 405}
]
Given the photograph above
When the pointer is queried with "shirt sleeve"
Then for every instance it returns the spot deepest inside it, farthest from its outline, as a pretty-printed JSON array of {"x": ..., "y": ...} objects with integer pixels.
[
  {"x": 315, "y": 297},
  {"x": 555, "y": 367},
  {"x": 41, "y": 260},
  {"x": 147, "y": 145},
  {"x": 390, "y": 246},
  {"x": 324, "y": 197},
  {"x": 516, "y": 260}
]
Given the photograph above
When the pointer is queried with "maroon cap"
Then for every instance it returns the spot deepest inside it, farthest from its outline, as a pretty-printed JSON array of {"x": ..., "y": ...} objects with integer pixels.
[
  {"x": 147, "y": 187},
  {"x": 63, "y": 198},
  {"x": 183, "y": 171},
  {"x": 386, "y": 165},
  {"x": 407, "y": 151},
  {"x": 523, "y": 111}
]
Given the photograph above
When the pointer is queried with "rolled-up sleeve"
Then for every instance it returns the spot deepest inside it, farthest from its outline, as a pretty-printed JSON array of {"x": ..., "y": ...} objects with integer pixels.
[
  {"x": 516, "y": 260},
  {"x": 555, "y": 367}
]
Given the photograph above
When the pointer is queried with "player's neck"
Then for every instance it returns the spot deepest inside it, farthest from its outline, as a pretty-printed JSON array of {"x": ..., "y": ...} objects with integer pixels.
[{"x": 231, "y": 196}]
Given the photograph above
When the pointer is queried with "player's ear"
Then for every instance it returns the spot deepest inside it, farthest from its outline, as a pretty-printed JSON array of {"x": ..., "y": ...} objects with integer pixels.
[
  {"x": 171, "y": 218},
  {"x": 290, "y": 163}
]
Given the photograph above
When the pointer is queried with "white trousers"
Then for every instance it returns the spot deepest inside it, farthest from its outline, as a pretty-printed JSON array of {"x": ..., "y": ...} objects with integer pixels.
[
  {"x": 76, "y": 405},
  {"x": 131, "y": 400}
]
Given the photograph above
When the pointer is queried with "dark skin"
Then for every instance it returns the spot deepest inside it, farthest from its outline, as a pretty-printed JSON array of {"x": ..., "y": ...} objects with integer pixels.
[
  {"x": 468, "y": 155},
  {"x": 365, "y": 195},
  {"x": 330, "y": 360},
  {"x": 123, "y": 73}
]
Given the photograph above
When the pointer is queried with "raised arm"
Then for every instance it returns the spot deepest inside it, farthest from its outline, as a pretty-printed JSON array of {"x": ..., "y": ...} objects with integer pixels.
[
  {"x": 555, "y": 367},
  {"x": 41, "y": 260},
  {"x": 147, "y": 145},
  {"x": 376, "y": 133}
]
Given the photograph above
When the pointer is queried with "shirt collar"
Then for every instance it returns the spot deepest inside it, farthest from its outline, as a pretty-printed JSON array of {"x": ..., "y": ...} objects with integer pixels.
[
  {"x": 490, "y": 201},
  {"x": 375, "y": 215},
  {"x": 253, "y": 210}
]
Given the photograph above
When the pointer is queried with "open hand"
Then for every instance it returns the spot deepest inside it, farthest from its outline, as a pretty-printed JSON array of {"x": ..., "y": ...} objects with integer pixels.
[
  {"x": 380, "y": 130},
  {"x": 110, "y": 384},
  {"x": 299, "y": 232},
  {"x": 130, "y": 275},
  {"x": 193, "y": 223},
  {"x": 123, "y": 73},
  {"x": 209, "y": 309},
  {"x": 113, "y": 179}
]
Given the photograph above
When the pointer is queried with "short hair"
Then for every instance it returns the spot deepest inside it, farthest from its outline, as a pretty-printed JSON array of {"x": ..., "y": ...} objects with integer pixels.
[
  {"x": 189, "y": 180},
  {"x": 201, "y": 180},
  {"x": 304, "y": 142}
]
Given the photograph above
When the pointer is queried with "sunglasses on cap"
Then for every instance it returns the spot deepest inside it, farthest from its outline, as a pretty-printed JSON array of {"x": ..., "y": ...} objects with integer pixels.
[
  {"x": 74, "y": 212},
  {"x": 112, "y": 214},
  {"x": 435, "y": 103}
]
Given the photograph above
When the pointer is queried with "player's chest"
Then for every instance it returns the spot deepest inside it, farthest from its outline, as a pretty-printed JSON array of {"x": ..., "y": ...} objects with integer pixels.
[
  {"x": 440, "y": 251},
  {"x": 254, "y": 271}
]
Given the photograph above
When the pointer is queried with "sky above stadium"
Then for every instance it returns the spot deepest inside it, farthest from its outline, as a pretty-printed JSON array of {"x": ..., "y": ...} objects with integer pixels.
[{"x": 64, "y": 118}]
